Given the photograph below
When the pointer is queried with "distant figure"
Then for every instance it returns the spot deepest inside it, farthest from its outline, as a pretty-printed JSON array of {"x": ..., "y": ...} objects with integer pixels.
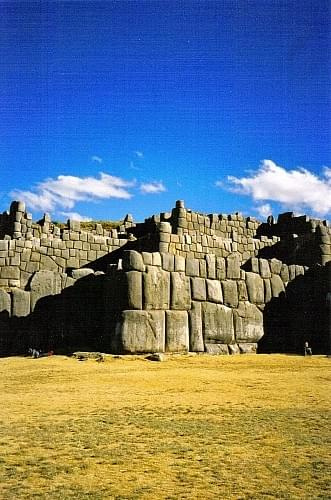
[
  {"x": 308, "y": 351},
  {"x": 270, "y": 220},
  {"x": 34, "y": 353}
]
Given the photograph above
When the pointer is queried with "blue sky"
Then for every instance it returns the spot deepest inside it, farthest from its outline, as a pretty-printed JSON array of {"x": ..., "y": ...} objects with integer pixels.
[{"x": 111, "y": 107}]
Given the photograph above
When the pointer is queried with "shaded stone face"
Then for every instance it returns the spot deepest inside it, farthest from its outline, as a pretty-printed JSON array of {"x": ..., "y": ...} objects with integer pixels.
[
  {"x": 217, "y": 324},
  {"x": 141, "y": 331},
  {"x": 205, "y": 278},
  {"x": 248, "y": 323}
]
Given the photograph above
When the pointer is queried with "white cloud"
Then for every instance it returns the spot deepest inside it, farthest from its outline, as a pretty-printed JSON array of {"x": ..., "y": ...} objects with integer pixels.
[
  {"x": 152, "y": 187},
  {"x": 65, "y": 190},
  {"x": 97, "y": 159},
  {"x": 140, "y": 154},
  {"x": 264, "y": 210},
  {"x": 298, "y": 189},
  {"x": 76, "y": 216}
]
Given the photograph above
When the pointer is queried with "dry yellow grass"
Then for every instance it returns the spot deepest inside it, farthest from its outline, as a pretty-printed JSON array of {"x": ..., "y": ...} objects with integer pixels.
[{"x": 202, "y": 427}]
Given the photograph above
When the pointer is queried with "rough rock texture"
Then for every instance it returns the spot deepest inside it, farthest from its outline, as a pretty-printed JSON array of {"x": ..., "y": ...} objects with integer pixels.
[
  {"x": 141, "y": 331},
  {"x": 179, "y": 280},
  {"x": 177, "y": 331}
]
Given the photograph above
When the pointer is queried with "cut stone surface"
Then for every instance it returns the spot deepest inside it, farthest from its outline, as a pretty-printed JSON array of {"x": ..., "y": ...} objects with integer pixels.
[
  {"x": 214, "y": 291},
  {"x": 233, "y": 266},
  {"x": 198, "y": 287},
  {"x": 177, "y": 331},
  {"x": 264, "y": 269},
  {"x": 230, "y": 293},
  {"x": 248, "y": 348},
  {"x": 192, "y": 267},
  {"x": 217, "y": 323},
  {"x": 81, "y": 273},
  {"x": 180, "y": 291},
  {"x": 255, "y": 288},
  {"x": 134, "y": 289},
  {"x": 141, "y": 331},
  {"x": 44, "y": 283},
  {"x": 132, "y": 260},
  {"x": 5, "y": 302},
  {"x": 277, "y": 285},
  {"x": 195, "y": 328},
  {"x": 156, "y": 288},
  {"x": 221, "y": 349},
  {"x": 21, "y": 302},
  {"x": 248, "y": 323}
]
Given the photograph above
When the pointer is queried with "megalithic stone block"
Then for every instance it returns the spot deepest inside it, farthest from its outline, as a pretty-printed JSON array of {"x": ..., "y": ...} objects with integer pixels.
[
  {"x": 177, "y": 331},
  {"x": 5, "y": 302},
  {"x": 156, "y": 288},
  {"x": 21, "y": 302},
  {"x": 214, "y": 291},
  {"x": 217, "y": 349},
  {"x": 195, "y": 328},
  {"x": 233, "y": 266},
  {"x": 217, "y": 324},
  {"x": 198, "y": 286},
  {"x": 134, "y": 289},
  {"x": 141, "y": 331},
  {"x": 255, "y": 288},
  {"x": 180, "y": 291},
  {"x": 44, "y": 283},
  {"x": 248, "y": 323},
  {"x": 230, "y": 293},
  {"x": 132, "y": 261},
  {"x": 277, "y": 285}
]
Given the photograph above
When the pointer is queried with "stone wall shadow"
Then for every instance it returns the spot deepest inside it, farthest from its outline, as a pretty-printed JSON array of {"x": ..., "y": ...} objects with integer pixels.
[
  {"x": 70, "y": 321},
  {"x": 301, "y": 314}
]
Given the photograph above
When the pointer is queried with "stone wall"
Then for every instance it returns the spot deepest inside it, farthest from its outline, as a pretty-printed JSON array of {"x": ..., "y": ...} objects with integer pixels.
[{"x": 180, "y": 281}]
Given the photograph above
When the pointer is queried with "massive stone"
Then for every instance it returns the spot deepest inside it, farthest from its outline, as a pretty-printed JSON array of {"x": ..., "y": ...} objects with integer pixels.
[
  {"x": 180, "y": 291},
  {"x": 211, "y": 266},
  {"x": 277, "y": 285},
  {"x": 248, "y": 323},
  {"x": 132, "y": 260},
  {"x": 217, "y": 324},
  {"x": 264, "y": 269},
  {"x": 192, "y": 267},
  {"x": 198, "y": 286},
  {"x": 195, "y": 325},
  {"x": 44, "y": 283},
  {"x": 21, "y": 302},
  {"x": 177, "y": 331},
  {"x": 156, "y": 288},
  {"x": 214, "y": 291},
  {"x": 233, "y": 266},
  {"x": 255, "y": 288},
  {"x": 134, "y": 289},
  {"x": 5, "y": 302},
  {"x": 230, "y": 293},
  {"x": 217, "y": 349},
  {"x": 141, "y": 331}
]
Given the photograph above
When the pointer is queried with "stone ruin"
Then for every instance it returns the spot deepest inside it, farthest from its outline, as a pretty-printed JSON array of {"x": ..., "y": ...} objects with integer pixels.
[{"x": 180, "y": 281}]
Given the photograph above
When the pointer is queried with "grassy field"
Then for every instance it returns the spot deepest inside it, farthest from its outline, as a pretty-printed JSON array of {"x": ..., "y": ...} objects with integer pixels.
[{"x": 200, "y": 427}]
